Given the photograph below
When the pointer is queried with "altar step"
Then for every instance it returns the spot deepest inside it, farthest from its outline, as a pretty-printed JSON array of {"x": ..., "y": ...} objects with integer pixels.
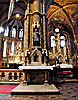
[{"x": 35, "y": 90}]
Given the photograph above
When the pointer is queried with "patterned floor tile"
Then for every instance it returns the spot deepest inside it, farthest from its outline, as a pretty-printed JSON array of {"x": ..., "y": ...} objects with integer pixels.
[{"x": 69, "y": 91}]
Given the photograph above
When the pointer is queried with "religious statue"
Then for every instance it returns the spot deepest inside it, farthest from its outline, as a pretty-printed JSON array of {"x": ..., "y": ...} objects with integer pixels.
[
  {"x": 60, "y": 58},
  {"x": 36, "y": 35}
]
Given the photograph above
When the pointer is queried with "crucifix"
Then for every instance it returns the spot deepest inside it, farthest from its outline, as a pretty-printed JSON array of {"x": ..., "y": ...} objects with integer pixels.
[
  {"x": 57, "y": 42},
  {"x": 36, "y": 33},
  {"x": 59, "y": 39}
]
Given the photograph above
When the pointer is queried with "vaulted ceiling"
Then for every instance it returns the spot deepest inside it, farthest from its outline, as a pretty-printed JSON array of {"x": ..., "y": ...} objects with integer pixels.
[
  {"x": 57, "y": 9},
  {"x": 4, "y": 6},
  {"x": 65, "y": 13},
  {"x": 19, "y": 7}
]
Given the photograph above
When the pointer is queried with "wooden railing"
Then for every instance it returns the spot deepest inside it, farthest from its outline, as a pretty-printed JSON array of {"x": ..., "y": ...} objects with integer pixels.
[{"x": 11, "y": 75}]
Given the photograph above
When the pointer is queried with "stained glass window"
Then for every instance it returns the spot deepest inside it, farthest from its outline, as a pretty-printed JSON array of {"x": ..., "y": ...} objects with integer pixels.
[
  {"x": 6, "y": 31},
  {"x": 62, "y": 41},
  {"x": 4, "y": 49},
  {"x": 57, "y": 30},
  {"x": 21, "y": 33},
  {"x": 12, "y": 47},
  {"x": 13, "y": 33}
]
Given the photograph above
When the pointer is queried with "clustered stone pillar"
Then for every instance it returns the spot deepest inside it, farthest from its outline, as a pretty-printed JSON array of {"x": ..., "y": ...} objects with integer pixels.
[
  {"x": 26, "y": 26},
  {"x": 46, "y": 78},
  {"x": 44, "y": 27},
  {"x": 26, "y": 30}
]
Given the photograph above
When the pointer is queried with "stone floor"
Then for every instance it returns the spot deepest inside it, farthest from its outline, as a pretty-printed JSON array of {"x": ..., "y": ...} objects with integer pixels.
[{"x": 68, "y": 91}]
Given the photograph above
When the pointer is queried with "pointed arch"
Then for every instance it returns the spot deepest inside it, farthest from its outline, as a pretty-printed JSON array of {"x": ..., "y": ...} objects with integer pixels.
[{"x": 62, "y": 8}]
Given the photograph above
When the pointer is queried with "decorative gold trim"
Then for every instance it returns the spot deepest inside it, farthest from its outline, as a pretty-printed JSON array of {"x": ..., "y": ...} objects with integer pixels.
[{"x": 35, "y": 51}]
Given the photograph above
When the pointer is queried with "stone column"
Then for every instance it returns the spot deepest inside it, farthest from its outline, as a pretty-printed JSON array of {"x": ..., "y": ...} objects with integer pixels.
[
  {"x": 23, "y": 76},
  {"x": 28, "y": 77},
  {"x": 25, "y": 79},
  {"x": 26, "y": 29},
  {"x": 6, "y": 76},
  {"x": 44, "y": 27},
  {"x": 12, "y": 76},
  {"x": 31, "y": 34},
  {"x": 46, "y": 78},
  {"x": 18, "y": 76}
]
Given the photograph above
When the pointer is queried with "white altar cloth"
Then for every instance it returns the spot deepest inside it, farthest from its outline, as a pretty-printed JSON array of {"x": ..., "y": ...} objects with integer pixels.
[
  {"x": 35, "y": 67},
  {"x": 66, "y": 66}
]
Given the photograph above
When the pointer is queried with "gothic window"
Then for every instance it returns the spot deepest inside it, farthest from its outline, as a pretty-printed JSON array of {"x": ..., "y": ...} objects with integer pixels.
[
  {"x": 6, "y": 31},
  {"x": 53, "y": 44},
  {"x": 21, "y": 33},
  {"x": 62, "y": 41},
  {"x": 4, "y": 49},
  {"x": 57, "y": 30},
  {"x": 12, "y": 47},
  {"x": 13, "y": 35}
]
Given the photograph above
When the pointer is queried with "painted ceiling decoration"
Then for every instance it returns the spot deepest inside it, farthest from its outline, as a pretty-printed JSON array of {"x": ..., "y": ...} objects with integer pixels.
[{"x": 65, "y": 12}]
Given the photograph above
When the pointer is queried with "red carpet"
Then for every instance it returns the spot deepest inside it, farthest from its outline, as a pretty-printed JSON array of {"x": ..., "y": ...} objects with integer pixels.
[{"x": 6, "y": 88}]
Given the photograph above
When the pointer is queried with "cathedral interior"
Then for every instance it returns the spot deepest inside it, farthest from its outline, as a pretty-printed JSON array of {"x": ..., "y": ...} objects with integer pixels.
[
  {"x": 33, "y": 28},
  {"x": 37, "y": 33}
]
